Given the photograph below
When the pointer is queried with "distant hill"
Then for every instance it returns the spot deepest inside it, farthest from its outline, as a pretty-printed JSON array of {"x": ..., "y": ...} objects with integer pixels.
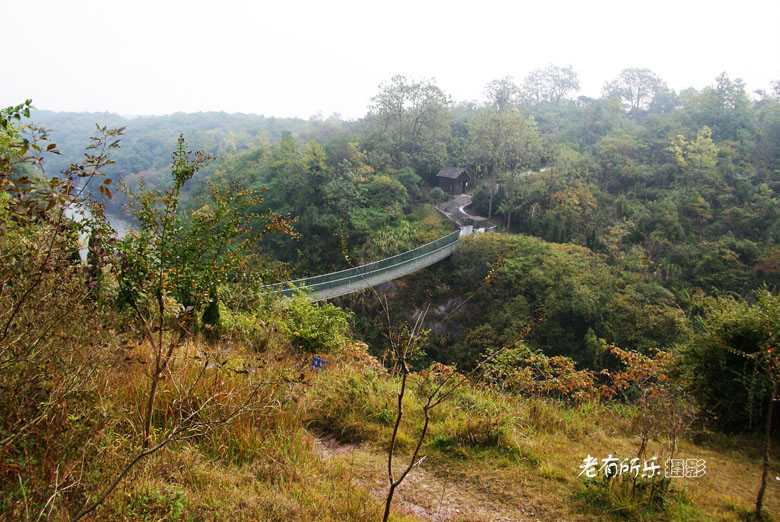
[{"x": 149, "y": 141}]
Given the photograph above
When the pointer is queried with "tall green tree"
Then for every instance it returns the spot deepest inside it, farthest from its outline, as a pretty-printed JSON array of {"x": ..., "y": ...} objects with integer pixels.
[
  {"x": 637, "y": 88},
  {"x": 412, "y": 123},
  {"x": 700, "y": 153},
  {"x": 551, "y": 84},
  {"x": 503, "y": 93},
  {"x": 502, "y": 141},
  {"x": 767, "y": 143},
  {"x": 724, "y": 107}
]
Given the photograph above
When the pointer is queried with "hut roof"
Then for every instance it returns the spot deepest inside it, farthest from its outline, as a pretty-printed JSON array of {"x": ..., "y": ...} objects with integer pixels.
[{"x": 451, "y": 173}]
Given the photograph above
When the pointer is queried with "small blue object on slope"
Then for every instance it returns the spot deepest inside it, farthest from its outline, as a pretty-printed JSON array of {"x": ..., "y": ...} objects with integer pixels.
[{"x": 317, "y": 364}]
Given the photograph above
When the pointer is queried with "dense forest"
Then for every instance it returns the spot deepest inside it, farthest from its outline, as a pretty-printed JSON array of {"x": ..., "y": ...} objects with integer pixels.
[
  {"x": 632, "y": 278},
  {"x": 673, "y": 195}
]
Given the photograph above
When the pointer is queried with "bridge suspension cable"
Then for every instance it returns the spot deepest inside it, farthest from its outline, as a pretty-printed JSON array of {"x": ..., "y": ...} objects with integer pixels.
[{"x": 358, "y": 278}]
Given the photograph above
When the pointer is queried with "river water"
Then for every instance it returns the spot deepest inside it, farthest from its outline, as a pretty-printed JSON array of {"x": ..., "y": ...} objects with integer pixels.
[{"x": 120, "y": 222}]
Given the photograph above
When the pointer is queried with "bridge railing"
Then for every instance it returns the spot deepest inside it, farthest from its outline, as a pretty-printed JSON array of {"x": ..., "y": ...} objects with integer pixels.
[{"x": 360, "y": 273}]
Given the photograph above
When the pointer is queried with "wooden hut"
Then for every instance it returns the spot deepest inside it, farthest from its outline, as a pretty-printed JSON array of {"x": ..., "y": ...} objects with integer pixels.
[{"x": 453, "y": 180}]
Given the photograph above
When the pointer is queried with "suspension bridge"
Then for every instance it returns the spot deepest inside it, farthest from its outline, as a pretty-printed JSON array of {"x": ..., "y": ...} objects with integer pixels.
[{"x": 343, "y": 282}]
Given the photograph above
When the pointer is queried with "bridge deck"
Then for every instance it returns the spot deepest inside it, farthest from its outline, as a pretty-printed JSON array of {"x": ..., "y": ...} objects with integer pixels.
[{"x": 372, "y": 274}]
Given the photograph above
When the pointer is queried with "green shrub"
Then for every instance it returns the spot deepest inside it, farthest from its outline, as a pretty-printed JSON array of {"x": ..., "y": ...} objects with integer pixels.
[
  {"x": 313, "y": 327},
  {"x": 438, "y": 195},
  {"x": 249, "y": 329},
  {"x": 353, "y": 405},
  {"x": 728, "y": 385},
  {"x": 151, "y": 504},
  {"x": 637, "y": 499}
]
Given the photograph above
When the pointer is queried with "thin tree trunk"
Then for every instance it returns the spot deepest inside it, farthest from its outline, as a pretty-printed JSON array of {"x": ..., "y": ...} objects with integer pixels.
[
  {"x": 413, "y": 463},
  {"x": 767, "y": 444},
  {"x": 149, "y": 411},
  {"x": 492, "y": 190},
  {"x": 510, "y": 197},
  {"x": 490, "y": 199},
  {"x": 388, "y": 501},
  {"x": 399, "y": 414}
]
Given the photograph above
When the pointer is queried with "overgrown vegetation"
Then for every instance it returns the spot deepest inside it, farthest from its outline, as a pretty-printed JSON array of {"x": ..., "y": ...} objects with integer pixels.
[{"x": 153, "y": 379}]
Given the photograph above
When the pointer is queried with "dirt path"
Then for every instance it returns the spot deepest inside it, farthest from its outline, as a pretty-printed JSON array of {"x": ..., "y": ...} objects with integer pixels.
[{"x": 428, "y": 493}]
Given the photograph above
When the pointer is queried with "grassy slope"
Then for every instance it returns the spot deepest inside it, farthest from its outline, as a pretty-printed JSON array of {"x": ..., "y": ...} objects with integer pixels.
[
  {"x": 262, "y": 466},
  {"x": 488, "y": 455},
  {"x": 491, "y": 456}
]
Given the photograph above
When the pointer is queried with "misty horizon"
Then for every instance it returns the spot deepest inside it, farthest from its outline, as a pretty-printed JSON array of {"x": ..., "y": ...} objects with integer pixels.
[
  {"x": 308, "y": 58},
  {"x": 753, "y": 93}
]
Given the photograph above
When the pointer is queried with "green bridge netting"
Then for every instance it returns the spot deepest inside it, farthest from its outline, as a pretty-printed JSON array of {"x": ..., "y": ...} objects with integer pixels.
[{"x": 350, "y": 276}]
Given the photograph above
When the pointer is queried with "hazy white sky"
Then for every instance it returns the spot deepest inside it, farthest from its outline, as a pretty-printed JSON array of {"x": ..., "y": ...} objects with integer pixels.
[{"x": 298, "y": 58}]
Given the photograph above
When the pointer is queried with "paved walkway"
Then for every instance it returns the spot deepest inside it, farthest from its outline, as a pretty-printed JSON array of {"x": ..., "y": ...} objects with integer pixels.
[{"x": 454, "y": 210}]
